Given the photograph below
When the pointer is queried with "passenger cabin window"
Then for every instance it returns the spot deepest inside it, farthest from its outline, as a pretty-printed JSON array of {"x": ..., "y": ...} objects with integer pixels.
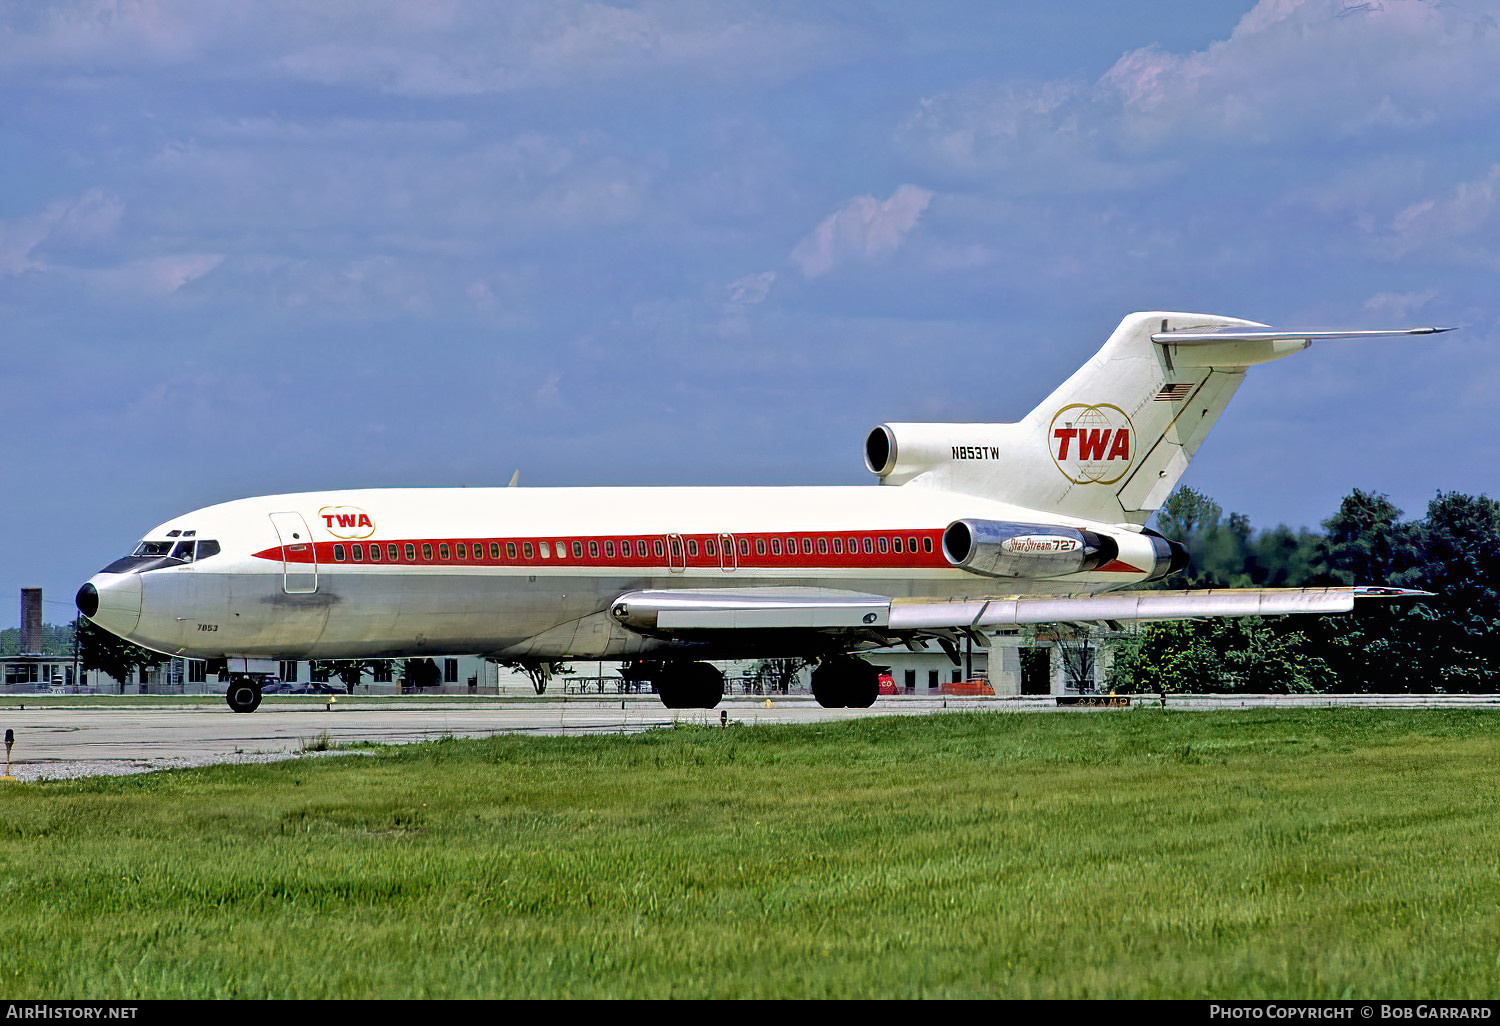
[
  {"x": 807, "y": 546},
  {"x": 911, "y": 543},
  {"x": 744, "y": 547},
  {"x": 926, "y": 544},
  {"x": 375, "y": 553},
  {"x": 609, "y": 549},
  {"x": 427, "y": 552},
  {"x": 495, "y": 550},
  {"x": 822, "y": 546},
  {"x": 338, "y": 553},
  {"x": 760, "y": 546},
  {"x": 544, "y": 549},
  {"x": 838, "y": 546},
  {"x": 358, "y": 552},
  {"x": 510, "y": 550},
  {"x": 775, "y": 546},
  {"x": 868, "y": 546},
  {"x": 578, "y": 550},
  {"x": 443, "y": 551},
  {"x": 656, "y": 548},
  {"x": 896, "y": 544},
  {"x": 463, "y": 551},
  {"x": 709, "y": 548},
  {"x": 527, "y": 549},
  {"x": 593, "y": 550},
  {"x": 692, "y": 546},
  {"x": 411, "y": 553},
  {"x": 853, "y": 546},
  {"x": 883, "y": 546}
]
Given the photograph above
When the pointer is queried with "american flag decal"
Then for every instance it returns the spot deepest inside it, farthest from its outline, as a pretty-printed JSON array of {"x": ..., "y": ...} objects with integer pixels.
[{"x": 1174, "y": 392}]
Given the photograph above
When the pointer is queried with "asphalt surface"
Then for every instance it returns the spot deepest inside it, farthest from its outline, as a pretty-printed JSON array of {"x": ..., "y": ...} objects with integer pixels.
[{"x": 57, "y": 739}]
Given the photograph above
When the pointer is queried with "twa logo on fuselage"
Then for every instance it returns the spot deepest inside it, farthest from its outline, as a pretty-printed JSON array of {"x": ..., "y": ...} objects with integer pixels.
[
  {"x": 347, "y": 522},
  {"x": 1092, "y": 444}
]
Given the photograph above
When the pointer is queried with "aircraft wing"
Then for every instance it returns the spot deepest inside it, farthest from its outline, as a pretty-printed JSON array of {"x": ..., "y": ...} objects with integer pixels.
[{"x": 684, "y": 611}]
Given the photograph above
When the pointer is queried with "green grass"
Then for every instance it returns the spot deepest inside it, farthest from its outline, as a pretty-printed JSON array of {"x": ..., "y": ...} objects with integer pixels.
[{"x": 1317, "y": 853}]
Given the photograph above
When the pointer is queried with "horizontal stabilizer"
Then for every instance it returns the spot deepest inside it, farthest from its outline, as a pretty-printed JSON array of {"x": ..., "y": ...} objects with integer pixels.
[{"x": 1219, "y": 335}]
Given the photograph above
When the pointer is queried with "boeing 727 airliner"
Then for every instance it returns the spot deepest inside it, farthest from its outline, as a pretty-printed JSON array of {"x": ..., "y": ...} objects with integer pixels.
[{"x": 979, "y": 527}]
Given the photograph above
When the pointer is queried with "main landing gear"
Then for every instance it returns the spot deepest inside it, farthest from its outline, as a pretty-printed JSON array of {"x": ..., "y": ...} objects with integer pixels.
[
  {"x": 684, "y": 685},
  {"x": 844, "y": 682},
  {"x": 244, "y": 693}
]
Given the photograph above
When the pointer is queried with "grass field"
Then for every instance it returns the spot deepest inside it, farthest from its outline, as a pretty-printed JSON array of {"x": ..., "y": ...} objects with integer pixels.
[{"x": 1318, "y": 853}]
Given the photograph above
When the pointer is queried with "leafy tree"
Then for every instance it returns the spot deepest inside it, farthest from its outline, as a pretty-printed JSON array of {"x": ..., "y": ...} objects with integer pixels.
[
  {"x": 777, "y": 674},
  {"x": 540, "y": 673},
  {"x": 100, "y": 650},
  {"x": 348, "y": 671}
]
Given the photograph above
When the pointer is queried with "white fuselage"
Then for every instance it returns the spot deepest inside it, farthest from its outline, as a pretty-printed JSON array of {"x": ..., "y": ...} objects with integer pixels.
[{"x": 531, "y": 572}]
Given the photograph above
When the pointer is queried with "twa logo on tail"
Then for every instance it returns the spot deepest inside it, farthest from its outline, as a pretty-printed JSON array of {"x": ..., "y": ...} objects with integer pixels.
[
  {"x": 1092, "y": 444},
  {"x": 347, "y": 521}
]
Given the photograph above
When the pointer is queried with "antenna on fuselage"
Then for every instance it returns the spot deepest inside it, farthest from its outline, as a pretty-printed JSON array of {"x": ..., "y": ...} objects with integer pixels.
[{"x": 515, "y": 478}]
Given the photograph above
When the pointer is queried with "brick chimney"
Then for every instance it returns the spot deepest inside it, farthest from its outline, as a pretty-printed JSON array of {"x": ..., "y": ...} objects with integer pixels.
[{"x": 31, "y": 621}]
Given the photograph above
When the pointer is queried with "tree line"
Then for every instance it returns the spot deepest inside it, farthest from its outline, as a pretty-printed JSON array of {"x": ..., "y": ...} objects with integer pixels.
[{"x": 1444, "y": 643}]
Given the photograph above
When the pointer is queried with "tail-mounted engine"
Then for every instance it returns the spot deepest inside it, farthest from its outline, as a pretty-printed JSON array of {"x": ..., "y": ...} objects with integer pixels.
[{"x": 1000, "y": 549}]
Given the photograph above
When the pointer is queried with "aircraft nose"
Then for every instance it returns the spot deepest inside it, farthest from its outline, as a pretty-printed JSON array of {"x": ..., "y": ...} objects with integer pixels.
[{"x": 113, "y": 601}]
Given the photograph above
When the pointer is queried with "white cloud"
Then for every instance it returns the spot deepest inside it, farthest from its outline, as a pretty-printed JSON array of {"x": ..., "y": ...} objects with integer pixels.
[
  {"x": 423, "y": 48},
  {"x": 1467, "y": 210},
  {"x": 862, "y": 229},
  {"x": 1304, "y": 72},
  {"x": 751, "y": 289},
  {"x": 25, "y": 242},
  {"x": 1398, "y": 305}
]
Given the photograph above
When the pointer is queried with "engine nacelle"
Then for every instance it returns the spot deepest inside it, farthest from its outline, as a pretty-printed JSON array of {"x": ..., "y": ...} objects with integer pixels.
[
  {"x": 899, "y": 452},
  {"x": 999, "y": 549},
  {"x": 996, "y": 548}
]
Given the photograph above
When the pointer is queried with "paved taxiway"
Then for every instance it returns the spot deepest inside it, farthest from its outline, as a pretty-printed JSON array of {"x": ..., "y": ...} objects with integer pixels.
[{"x": 69, "y": 738}]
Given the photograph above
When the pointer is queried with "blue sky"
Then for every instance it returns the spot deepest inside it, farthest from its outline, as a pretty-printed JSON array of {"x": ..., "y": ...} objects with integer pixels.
[{"x": 256, "y": 248}]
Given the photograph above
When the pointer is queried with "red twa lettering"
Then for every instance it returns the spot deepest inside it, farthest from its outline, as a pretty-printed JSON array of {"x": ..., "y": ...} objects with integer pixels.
[
  {"x": 1091, "y": 443},
  {"x": 1121, "y": 449},
  {"x": 346, "y": 519},
  {"x": 328, "y": 519},
  {"x": 1064, "y": 435},
  {"x": 364, "y": 520}
]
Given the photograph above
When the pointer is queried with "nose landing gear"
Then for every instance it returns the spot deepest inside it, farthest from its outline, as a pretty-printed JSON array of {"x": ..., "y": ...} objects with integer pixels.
[{"x": 243, "y": 695}]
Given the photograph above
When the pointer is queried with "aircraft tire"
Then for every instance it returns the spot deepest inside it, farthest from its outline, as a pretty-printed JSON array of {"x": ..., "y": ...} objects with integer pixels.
[
  {"x": 708, "y": 685},
  {"x": 243, "y": 695},
  {"x": 844, "y": 682}
]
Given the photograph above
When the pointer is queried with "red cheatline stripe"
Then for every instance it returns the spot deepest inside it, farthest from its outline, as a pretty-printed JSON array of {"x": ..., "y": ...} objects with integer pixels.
[{"x": 697, "y": 551}]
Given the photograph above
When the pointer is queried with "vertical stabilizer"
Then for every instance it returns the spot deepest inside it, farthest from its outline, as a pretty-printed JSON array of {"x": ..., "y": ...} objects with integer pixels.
[{"x": 1111, "y": 442}]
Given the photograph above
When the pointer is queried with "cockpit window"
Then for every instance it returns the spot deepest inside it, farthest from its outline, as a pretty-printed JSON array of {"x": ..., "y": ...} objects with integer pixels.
[{"x": 152, "y": 555}]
